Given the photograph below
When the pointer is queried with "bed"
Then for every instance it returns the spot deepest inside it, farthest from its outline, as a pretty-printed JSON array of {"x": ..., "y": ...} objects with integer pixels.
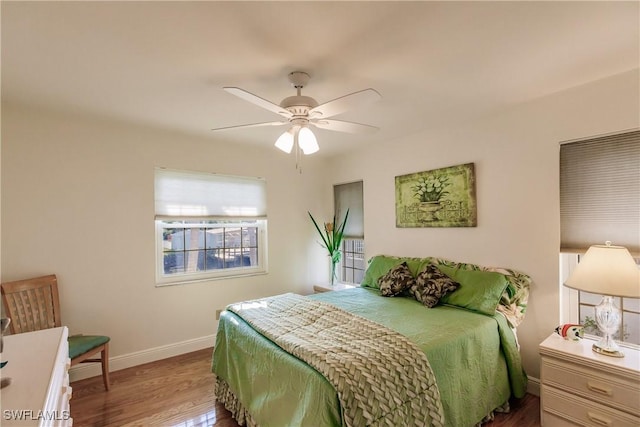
[{"x": 473, "y": 356}]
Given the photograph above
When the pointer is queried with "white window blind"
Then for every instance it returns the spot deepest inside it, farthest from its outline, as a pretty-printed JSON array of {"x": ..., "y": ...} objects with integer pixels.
[
  {"x": 600, "y": 191},
  {"x": 182, "y": 194},
  {"x": 349, "y": 196}
]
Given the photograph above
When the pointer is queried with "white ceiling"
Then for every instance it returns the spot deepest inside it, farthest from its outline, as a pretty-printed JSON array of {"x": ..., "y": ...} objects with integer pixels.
[{"x": 434, "y": 63}]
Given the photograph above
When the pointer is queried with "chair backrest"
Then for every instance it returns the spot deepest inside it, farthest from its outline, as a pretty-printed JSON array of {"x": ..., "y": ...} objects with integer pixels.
[{"x": 32, "y": 304}]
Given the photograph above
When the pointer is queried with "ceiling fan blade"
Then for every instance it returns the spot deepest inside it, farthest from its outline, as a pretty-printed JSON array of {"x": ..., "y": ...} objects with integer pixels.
[
  {"x": 252, "y": 125},
  {"x": 342, "y": 126},
  {"x": 344, "y": 103},
  {"x": 260, "y": 102}
]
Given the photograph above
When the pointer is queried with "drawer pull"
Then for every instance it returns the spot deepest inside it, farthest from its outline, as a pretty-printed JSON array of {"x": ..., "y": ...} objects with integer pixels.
[
  {"x": 598, "y": 388},
  {"x": 599, "y": 419}
]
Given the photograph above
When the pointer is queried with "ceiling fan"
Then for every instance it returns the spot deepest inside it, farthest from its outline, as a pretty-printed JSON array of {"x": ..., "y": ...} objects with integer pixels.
[{"x": 301, "y": 112}]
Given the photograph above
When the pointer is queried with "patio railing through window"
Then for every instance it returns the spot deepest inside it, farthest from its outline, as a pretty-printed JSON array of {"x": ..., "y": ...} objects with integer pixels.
[{"x": 353, "y": 263}]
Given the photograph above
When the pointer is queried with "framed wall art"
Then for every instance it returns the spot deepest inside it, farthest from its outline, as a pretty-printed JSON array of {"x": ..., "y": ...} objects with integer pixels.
[{"x": 444, "y": 197}]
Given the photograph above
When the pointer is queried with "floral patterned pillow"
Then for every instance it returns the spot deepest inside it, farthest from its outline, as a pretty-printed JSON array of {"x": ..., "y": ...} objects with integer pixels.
[
  {"x": 397, "y": 280},
  {"x": 431, "y": 284},
  {"x": 513, "y": 303}
]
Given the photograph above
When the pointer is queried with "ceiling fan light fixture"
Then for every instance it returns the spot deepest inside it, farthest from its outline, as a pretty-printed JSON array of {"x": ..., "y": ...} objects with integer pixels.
[
  {"x": 307, "y": 141},
  {"x": 301, "y": 111},
  {"x": 285, "y": 141}
]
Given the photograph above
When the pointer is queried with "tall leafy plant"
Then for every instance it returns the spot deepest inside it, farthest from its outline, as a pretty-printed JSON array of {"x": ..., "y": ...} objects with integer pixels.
[{"x": 332, "y": 236}]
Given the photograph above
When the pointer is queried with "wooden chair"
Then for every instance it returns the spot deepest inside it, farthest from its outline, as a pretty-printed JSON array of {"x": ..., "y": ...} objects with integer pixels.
[{"x": 34, "y": 304}]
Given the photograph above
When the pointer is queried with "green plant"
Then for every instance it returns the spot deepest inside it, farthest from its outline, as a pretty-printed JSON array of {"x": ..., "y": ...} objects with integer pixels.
[
  {"x": 332, "y": 239},
  {"x": 431, "y": 188}
]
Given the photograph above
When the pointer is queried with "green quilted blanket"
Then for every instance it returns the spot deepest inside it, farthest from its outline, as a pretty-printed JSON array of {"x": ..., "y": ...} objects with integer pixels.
[{"x": 381, "y": 378}]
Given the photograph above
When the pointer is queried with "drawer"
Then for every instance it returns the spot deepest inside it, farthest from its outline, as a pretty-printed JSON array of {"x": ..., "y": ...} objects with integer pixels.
[
  {"x": 593, "y": 384},
  {"x": 551, "y": 420},
  {"x": 560, "y": 409}
]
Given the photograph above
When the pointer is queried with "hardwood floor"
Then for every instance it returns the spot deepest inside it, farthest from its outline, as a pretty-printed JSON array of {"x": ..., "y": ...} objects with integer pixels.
[{"x": 178, "y": 392}]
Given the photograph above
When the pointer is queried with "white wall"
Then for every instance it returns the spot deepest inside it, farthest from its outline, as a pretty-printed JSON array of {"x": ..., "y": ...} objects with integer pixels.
[
  {"x": 78, "y": 201},
  {"x": 516, "y": 155}
]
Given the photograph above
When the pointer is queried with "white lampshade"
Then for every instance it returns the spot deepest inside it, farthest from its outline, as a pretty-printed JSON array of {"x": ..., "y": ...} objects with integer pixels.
[
  {"x": 607, "y": 270},
  {"x": 307, "y": 141},
  {"x": 285, "y": 141}
]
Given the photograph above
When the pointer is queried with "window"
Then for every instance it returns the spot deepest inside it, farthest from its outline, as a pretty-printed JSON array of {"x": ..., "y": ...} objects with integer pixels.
[
  {"x": 599, "y": 201},
  {"x": 352, "y": 264},
  {"x": 208, "y": 226}
]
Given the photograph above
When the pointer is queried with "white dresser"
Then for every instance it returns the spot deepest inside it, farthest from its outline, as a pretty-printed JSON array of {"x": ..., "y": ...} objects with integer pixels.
[
  {"x": 583, "y": 388},
  {"x": 38, "y": 365}
]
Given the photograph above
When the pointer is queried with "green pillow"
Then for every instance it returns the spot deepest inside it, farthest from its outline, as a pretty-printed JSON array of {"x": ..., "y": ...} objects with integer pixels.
[
  {"x": 479, "y": 291},
  {"x": 416, "y": 265},
  {"x": 380, "y": 265}
]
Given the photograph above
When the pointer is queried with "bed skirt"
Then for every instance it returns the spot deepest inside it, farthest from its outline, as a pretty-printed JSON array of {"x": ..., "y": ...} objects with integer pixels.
[{"x": 224, "y": 395}]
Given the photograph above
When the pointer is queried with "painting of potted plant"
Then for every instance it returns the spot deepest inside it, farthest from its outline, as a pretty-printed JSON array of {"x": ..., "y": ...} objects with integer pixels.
[{"x": 442, "y": 197}]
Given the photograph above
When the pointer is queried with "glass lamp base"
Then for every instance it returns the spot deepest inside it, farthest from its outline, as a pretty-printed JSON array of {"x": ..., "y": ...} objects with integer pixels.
[
  {"x": 608, "y": 318},
  {"x": 607, "y": 351}
]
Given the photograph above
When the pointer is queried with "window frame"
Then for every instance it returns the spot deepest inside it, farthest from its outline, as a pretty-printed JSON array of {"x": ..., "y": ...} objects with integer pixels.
[
  {"x": 195, "y": 199},
  {"x": 590, "y": 214},
  {"x": 163, "y": 279}
]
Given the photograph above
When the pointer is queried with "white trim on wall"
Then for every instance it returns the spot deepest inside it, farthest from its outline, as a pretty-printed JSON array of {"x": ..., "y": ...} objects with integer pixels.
[
  {"x": 80, "y": 372},
  {"x": 533, "y": 386}
]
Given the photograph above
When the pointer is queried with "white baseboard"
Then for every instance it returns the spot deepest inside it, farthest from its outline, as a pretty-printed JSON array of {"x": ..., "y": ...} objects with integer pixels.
[
  {"x": 533, "y": 386},
  {"x": 82, "y": 371}
]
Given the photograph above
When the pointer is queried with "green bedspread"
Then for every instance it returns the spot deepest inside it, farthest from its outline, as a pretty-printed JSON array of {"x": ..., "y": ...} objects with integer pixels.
[{"x": 474, "y": 358}]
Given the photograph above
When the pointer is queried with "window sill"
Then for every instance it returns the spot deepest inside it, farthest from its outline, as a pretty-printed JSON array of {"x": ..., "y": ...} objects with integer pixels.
[{"x": 189, "y": 281}]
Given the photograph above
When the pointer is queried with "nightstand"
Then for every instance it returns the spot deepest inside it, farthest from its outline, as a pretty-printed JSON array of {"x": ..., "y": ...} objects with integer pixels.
[
  {"x": 337, "y": 287},
  {"x": 581, "y": 387}
]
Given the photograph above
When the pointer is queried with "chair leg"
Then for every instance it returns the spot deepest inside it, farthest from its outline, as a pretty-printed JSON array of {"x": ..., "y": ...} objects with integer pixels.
[{"x": 105, "y": 366}]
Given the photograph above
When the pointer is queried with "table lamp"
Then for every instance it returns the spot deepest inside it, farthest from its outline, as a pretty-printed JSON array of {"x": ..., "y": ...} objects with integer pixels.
[{"x": 610, "y": 271}]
